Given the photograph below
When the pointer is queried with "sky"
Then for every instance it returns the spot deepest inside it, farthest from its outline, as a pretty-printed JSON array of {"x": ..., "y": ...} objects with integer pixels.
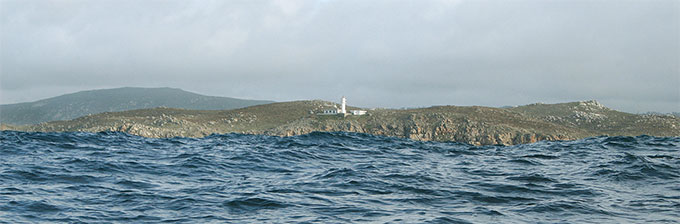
[{"x": 379, "y": 53}]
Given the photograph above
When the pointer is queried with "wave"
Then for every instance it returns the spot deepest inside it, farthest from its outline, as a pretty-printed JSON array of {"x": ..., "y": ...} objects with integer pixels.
[{"x": 334, "y": 177}]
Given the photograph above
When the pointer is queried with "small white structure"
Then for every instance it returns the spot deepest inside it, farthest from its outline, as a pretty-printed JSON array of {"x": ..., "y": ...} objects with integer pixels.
[
  {"x": 357, "y": 112},
  {"x": 330, "y": 111}
]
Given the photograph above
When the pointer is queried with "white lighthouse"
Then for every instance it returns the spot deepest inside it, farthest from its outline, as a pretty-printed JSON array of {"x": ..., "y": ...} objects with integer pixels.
[
  {"x": 344, "y": 102},
  {"x": 334, "y": 110}
]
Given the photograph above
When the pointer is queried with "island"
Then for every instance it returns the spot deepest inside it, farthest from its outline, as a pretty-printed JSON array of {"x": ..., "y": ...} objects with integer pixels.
[{"x": 476, "y": 125}]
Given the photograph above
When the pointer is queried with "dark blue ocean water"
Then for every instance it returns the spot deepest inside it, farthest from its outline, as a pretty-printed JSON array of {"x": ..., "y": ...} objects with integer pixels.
[{"x": 334, "y": 178}]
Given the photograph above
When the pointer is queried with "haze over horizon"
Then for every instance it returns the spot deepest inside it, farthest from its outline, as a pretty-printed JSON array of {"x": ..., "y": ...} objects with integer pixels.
[{"x": 625, "y": 54}]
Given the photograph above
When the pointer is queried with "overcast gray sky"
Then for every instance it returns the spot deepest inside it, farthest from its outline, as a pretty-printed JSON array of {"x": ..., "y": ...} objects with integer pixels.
[{"x": 625, "y": 54}]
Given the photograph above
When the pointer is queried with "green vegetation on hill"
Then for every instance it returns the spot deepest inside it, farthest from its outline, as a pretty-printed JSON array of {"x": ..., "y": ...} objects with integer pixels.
[
  {"x": 474, "y": 125},
  {"x": 83, "y": 103}
]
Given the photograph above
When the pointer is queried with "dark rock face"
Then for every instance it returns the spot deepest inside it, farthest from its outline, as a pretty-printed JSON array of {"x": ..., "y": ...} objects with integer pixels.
[{"x": 473, "y": 125}]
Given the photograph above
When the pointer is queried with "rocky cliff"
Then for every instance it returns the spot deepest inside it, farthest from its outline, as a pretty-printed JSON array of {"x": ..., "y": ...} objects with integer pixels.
[{"x": 474, "y": 125}]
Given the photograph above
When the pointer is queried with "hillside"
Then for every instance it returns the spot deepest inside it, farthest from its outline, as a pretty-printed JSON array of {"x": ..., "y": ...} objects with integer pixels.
[
  {"x": 474, "y": 125},
  {"x": 598, "y": 119},
  {"x": 70, "y": 106}
]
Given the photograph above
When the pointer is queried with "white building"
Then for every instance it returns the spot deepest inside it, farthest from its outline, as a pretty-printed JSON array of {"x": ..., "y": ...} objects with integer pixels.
[
  {"x": 330, "y": 111},
  {"x": 357, "y": 112}
]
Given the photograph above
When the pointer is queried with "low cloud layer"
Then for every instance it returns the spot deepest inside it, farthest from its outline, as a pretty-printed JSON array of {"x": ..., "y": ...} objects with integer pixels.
[{"x": 625, "y": 54}]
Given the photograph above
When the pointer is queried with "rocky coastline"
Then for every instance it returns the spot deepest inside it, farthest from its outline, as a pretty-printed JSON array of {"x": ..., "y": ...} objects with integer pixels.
[{"x": 473, "y": 125}]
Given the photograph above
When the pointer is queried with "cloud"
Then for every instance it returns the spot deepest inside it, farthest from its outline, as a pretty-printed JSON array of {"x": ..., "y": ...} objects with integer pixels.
[{"x": 379, "y": 53}]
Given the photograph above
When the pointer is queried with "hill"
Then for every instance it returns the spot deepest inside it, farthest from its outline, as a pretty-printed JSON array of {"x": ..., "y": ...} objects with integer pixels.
[
  {"x": 70, "y": 106},
  {"x": 474, "y": 125}
]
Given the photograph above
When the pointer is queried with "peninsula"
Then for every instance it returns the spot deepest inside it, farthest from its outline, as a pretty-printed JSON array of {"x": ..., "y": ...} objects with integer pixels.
[{"x": 468, "y": 124}]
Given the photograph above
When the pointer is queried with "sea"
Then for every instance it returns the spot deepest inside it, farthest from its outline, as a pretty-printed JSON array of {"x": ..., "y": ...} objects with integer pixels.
[{"x": 113, "y": 177}]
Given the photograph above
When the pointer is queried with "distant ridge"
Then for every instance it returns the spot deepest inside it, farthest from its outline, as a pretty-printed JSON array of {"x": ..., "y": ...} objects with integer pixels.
[{"x": 70, "y": 106}]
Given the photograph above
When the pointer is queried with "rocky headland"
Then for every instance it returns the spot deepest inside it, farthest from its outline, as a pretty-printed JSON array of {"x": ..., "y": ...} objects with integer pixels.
[{"x": 474, "y": 125}]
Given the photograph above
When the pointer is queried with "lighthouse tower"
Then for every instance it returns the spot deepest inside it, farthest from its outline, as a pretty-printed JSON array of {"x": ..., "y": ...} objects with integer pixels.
[{"x": 344, "y": 102}]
